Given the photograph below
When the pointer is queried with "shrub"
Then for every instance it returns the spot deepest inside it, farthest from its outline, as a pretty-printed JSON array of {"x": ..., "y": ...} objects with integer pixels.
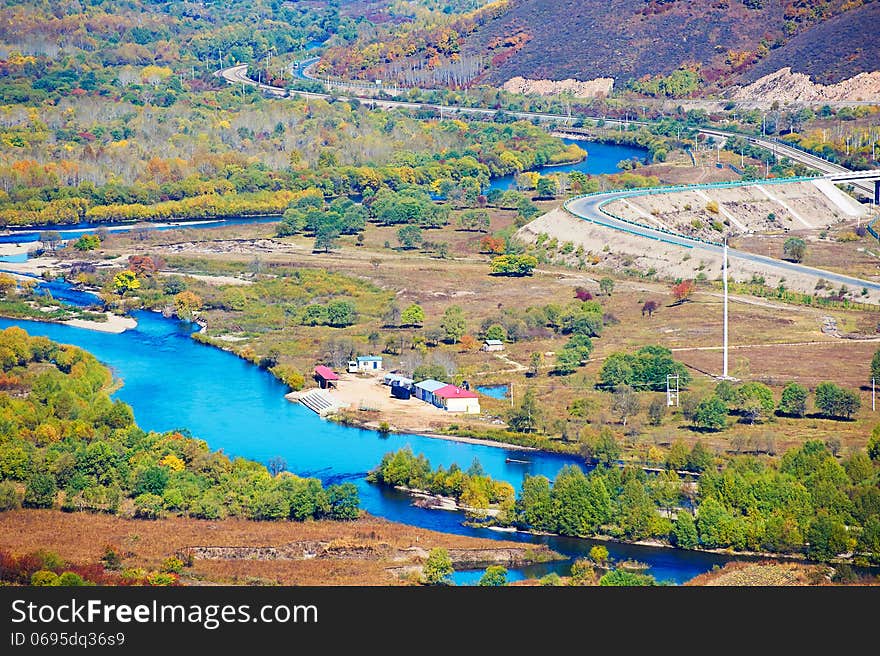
[
  {"x": 10, "y": 496},
  {"x": 44, "y": 578}
]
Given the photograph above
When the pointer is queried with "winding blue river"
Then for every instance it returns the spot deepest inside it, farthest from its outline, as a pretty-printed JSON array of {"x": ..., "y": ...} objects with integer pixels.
[
  {"x": 171, "y": 382},
  {"x": 601, "y": 158}
]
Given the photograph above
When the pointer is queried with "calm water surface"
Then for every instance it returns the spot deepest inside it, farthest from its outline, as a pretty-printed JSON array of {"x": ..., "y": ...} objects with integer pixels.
[{"x": 173, "y": 382}]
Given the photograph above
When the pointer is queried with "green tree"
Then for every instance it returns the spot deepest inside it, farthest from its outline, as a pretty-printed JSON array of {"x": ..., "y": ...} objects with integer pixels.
[
  {"x": 836, "y": 402},
  {"x": 429, "y": 371},
  {"x": 151, "y": 481},
  {"x": 496, "y": 331},
  {"x": 567, "y": 361},
  {"x": 414, "y": 315},
  {"x": 606, "y": 286},
  {"x": 605, "y": 449},
  {"x": 40, "y": 491},
  {"x": 794, "y": 400},
  {"x": 755, "y": 401},
  {"x": 710, "y": 414},
  {"x": 453, "y": 323},
  {"x": 526, "y": 417},
  {"x": 437, "y": 569},
  {"x": 684, "y": 532},
  {"x": 873, "y": 447},
  {"x": 699, "y": 459},
  {"x": 827, "y": 537},
  {"x": 148, "y": 506},
  {"x": 409, "y": 236},
  {"x": 325, "y": 237},
  {"x": 535, "y": 506},
  {"x": 495, "y": 575},
  {"x": 70, "y": 579},
  {"x": 341, "y": 314},
  {"x": 875, "y": 366},
  {"x": 513, "y": 265},
  {"x": 344, "y": 501},
  {"x": 536, "y": 359},
  {"x": 546, "y": 187},
  {"x": 621, "y": 577},
  {"x": 794, "y": 249}
]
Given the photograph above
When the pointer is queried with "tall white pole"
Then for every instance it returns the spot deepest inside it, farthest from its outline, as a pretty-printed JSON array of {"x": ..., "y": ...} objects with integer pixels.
[{"x": 724, "y": 374}]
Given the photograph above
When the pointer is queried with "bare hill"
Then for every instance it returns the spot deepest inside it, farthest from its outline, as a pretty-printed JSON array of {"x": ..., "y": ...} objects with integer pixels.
[
  {"x": 830, "y": 52},
  {"x": 624, "y": 39}
]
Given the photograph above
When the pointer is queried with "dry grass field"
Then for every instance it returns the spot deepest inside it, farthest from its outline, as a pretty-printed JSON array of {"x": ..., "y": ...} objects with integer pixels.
[{"x": 369, "y": 551}]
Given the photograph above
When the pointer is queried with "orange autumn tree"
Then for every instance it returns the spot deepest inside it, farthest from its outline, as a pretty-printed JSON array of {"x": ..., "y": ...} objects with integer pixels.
[
  {"x": 683, "y": 290},
  {"x": 468, "y": 343}
]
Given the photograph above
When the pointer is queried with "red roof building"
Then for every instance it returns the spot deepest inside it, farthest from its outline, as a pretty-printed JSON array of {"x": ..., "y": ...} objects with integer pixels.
[
  {"x": 456, "y": 399},
  {"x": 325, "y": 376},
  {"x": 453, "y": 392}
]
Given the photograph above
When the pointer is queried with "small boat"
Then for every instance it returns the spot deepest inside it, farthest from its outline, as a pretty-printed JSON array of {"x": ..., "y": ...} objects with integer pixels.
[{"x": 519, "y": 462}]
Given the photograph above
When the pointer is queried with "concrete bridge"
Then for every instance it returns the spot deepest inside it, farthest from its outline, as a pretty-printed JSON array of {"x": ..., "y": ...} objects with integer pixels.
[{"x": 862, "y": 179}]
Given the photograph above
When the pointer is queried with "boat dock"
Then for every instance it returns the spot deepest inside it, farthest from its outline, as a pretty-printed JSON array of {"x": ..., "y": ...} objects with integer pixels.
[{"x": 318, "y": 401}]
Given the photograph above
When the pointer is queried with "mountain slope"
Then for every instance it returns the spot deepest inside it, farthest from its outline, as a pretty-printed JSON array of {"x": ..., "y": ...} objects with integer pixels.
[
  {"x": 831, "y": 51},
  {"x": 557, "y": 39}
]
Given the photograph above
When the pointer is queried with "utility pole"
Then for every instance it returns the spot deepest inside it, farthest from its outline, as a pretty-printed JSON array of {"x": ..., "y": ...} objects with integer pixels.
[{"x": 724, "y": 372}]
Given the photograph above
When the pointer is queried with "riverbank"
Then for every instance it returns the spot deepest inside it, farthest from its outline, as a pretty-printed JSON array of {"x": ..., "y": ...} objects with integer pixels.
[
  {"x": 367, "y": 551},
  {"x": 114, "y": 324}
]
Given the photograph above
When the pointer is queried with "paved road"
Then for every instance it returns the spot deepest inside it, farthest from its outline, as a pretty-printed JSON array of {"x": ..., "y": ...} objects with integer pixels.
[{"x": 590, "y": 209}]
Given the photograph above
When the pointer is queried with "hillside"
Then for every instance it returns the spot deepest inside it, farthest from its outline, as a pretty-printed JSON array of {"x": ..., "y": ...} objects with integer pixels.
[
  {"x": 629, "y": 39},
  {"x": 831, "y": 51}
]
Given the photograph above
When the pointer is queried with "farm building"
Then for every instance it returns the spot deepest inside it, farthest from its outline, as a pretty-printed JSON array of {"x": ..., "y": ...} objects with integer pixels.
[
  {"x": 365, "y": 363},
  {"x": 456, "y": 399},
  {"x": 400, "y": 391},
  {"x": 397, "y": 379},
  {"x": 424, "y": 390},
  {"x": 326, "y": 377},
  {"x": 492, "y": 345}
]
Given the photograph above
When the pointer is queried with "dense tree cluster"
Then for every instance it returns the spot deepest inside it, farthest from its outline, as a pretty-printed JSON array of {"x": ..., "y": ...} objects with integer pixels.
[
  {"x": 64, "y": 442},
  {"x": 807, "y": 502},
  {"x": 647, "y": 368},
  {"x": 472, "y": 488}
]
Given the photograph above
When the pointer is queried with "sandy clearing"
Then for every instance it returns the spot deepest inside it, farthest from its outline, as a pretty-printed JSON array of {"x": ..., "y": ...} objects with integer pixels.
[
  {"x": 15, "y": 249},
  {"x": 114, "y": 324},
  {"x": 412, "y": 415}
]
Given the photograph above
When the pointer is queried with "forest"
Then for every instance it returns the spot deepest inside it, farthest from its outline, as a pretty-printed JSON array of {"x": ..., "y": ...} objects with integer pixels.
[
  {"x": 806, "y": 502},
  {"x": 64, "y": 442}
]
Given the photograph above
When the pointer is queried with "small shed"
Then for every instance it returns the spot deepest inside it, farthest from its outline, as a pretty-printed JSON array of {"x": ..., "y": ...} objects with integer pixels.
[
  {"x": 492, "y": 345},
  {"x": 326, "y": 377},
  {"x": 397, "y": 379},
  {"x": 365, "y": 363},
  {"x": 456, "y": 399},
  {"x": 400, "y": 392},
  {"x": 424, "y": 390}
]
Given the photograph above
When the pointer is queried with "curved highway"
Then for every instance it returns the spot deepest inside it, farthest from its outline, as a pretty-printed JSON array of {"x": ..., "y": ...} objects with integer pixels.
[{"x": 591, "y": 208}]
